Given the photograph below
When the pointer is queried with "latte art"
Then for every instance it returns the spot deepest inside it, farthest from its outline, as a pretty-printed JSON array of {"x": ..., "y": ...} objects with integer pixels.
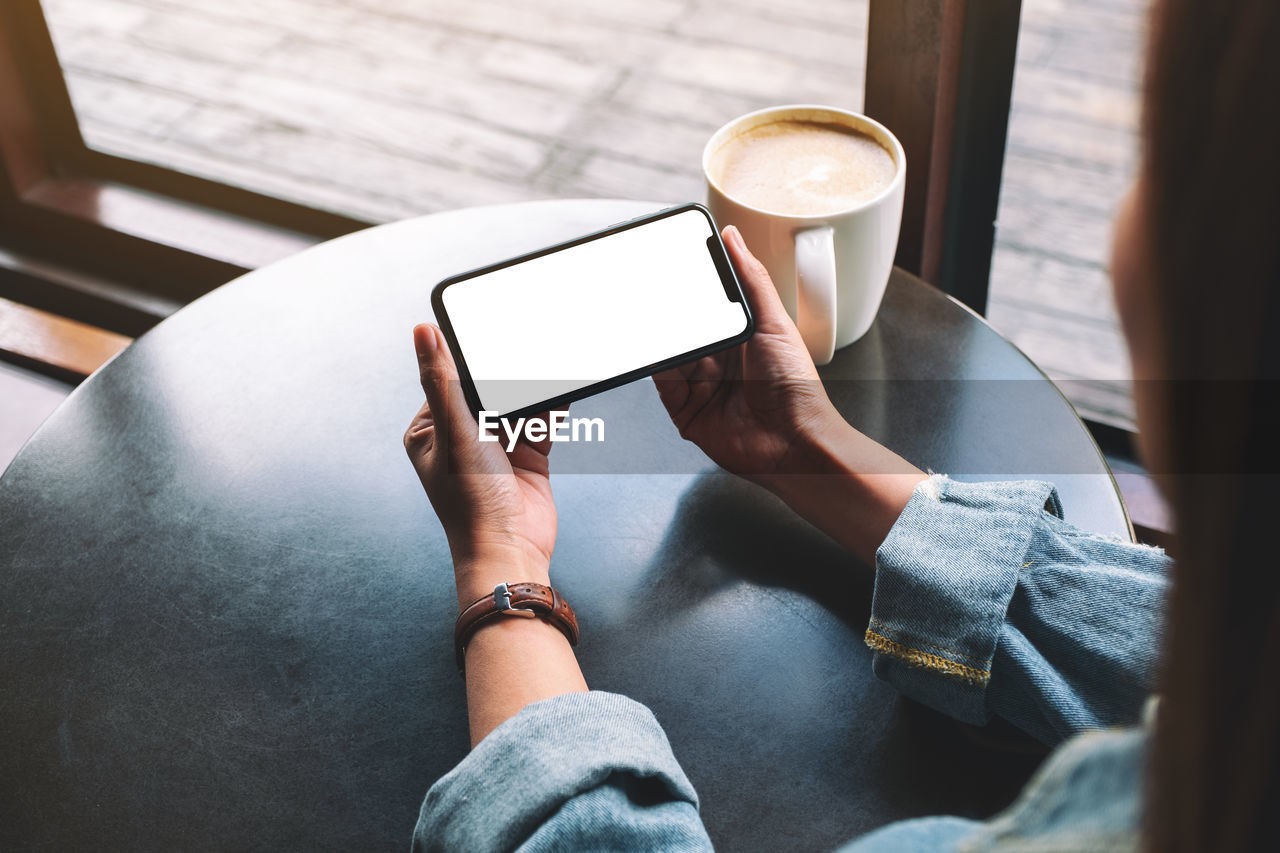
[{"x": 802, "y": 168}]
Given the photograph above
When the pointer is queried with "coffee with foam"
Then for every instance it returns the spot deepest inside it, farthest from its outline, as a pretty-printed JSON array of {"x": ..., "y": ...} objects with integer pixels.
[{"x": 802, "y": 168}]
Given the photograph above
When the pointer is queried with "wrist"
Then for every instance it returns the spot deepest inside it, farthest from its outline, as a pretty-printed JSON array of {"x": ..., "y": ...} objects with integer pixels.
[
  {"x": 477, "y": 571},
  {"x": 846, "y": 484},
  {"x": 817, "y": 450}
]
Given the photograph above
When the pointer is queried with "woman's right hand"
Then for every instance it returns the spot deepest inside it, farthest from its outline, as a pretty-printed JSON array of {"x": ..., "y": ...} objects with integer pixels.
[
  {"x": 760, "y": 411},
  {"x": 753, "y": 409}
]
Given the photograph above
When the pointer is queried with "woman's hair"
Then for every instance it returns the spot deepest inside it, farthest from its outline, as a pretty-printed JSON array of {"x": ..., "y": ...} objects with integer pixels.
[{"x": 1211, "y": 180}]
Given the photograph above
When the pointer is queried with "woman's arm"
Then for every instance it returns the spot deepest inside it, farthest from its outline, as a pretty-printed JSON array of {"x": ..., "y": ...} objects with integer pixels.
[
  {"x": 514, "y": 662},
  {"x": 985, "y": 602},
  {"x": 552, "y": 767},
  {"x": 847, "y": 485},
  {"x": 498, "y": 513}
]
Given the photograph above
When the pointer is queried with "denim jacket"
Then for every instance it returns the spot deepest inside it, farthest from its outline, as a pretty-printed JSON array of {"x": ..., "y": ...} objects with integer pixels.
[{"x": 986, "y": 604}]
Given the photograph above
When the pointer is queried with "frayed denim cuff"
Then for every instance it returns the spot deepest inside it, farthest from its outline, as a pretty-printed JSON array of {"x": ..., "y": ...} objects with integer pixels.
[
  {"x": 533, "y": 763},
  {"x": 944, "y": 579}
]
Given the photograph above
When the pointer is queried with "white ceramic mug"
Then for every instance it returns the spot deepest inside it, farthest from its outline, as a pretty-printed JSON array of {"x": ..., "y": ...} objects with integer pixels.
[{"x": 830, "y": 270}]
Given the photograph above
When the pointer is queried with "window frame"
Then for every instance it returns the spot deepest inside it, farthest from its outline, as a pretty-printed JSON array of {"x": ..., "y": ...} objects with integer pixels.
[
  {"x": 939, "y": 71},
  {"x": 108, "y": 240}
]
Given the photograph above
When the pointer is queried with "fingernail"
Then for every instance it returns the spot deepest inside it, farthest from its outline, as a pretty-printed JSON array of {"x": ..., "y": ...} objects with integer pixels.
[{"x": 424, "y": 338}]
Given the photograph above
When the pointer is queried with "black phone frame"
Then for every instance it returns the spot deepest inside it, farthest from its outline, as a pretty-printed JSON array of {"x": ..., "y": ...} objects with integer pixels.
[{"x": 728, "y": 279}]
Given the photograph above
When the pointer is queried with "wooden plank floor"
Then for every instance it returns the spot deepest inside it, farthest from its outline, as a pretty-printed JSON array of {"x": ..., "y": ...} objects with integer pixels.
[{"x": 392, "y": 108}]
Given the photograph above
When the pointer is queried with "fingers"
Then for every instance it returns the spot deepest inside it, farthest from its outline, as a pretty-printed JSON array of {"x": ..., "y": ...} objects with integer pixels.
[
  {"x": 439, "y": 378},
  {"x": 761, "y": 293},
  {"x": 673, "y": 387},
  {"x": 544, "y": 446}
]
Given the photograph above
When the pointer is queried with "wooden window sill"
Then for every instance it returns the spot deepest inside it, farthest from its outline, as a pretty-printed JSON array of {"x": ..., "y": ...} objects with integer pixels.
[{"x": 58, "y": 346}]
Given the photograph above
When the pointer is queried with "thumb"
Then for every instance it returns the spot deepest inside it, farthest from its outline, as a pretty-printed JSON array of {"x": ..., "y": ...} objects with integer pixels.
[
  {"x": 771, "y": 316},
  {"x": 439, "y": 376}
]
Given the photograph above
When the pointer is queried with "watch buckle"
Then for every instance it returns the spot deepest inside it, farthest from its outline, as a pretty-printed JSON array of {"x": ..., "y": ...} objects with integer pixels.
[{"x": 502, "y": 603}]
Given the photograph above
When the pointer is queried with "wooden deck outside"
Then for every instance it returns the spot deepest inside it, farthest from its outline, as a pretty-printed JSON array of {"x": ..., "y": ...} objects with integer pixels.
[{"x": 393, "y": 108}]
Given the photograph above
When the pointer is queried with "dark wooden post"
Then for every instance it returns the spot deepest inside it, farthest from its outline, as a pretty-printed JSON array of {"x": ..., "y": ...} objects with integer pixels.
[{"x": 940, "y": 75}]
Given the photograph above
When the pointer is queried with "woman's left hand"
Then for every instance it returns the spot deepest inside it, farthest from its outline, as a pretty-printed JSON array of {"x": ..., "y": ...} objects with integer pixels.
[{"x": 496, "y": 506}]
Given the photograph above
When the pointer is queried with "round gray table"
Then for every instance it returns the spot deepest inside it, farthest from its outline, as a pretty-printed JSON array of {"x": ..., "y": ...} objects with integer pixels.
[{"x": 227, "y": 607}]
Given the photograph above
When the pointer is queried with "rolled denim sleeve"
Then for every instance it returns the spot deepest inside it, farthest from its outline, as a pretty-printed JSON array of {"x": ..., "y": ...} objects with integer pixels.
[
  {"x": 988, "y": 603},
  {"x": 582, "y": 771}
]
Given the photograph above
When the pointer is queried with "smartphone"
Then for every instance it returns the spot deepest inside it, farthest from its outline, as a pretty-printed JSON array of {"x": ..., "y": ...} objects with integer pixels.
[{"x": 541, "y": 330}]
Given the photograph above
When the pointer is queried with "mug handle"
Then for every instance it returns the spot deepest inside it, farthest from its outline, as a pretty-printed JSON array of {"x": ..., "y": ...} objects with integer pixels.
[{"x": 816, "y": 291}]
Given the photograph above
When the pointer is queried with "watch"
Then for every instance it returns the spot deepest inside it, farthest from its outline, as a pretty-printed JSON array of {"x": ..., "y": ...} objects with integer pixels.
[{"x": 522, "y": 600}]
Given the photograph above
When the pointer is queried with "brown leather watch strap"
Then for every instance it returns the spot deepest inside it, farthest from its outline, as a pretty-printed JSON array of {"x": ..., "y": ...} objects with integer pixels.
[{"x": 525, "y": 599}]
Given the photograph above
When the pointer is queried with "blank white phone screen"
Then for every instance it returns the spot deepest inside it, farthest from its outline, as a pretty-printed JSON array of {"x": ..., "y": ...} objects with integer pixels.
[{"x": 561, "y": 322}]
